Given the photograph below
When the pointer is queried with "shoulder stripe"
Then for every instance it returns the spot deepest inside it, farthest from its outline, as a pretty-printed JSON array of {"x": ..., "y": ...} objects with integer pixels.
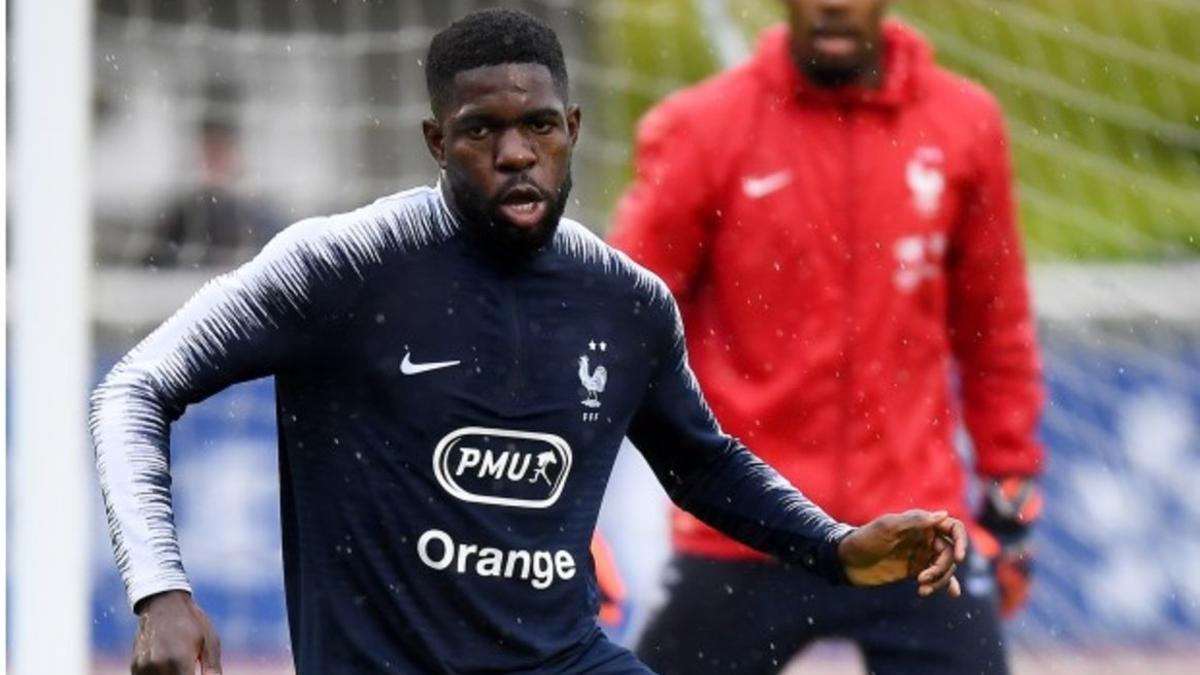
[{"x": 577, "y": 241}]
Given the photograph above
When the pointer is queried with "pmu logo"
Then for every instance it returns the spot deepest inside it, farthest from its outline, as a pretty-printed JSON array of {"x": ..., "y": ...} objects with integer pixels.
[{"x": 503, "y": 467}]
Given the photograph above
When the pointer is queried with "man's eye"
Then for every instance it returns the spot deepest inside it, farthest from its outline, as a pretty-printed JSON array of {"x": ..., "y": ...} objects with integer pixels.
[
  {"x": 541, "y": 126},
  {"x": 476, "y": 133}
]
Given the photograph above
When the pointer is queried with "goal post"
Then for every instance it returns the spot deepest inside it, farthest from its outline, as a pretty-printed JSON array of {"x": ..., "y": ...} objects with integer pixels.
[{"x": 50, "y": 324}]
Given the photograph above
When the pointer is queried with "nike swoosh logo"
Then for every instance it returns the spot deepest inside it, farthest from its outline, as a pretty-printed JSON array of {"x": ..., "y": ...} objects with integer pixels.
[
  {"x": 757, "y": 187},
  {"x": 409, "y": 368}
]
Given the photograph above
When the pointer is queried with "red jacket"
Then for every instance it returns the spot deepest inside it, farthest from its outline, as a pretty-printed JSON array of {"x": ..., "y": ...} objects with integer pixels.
[{"x": 834, "y": 255}]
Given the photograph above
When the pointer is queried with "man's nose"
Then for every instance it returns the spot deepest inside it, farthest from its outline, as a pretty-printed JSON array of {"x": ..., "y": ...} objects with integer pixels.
[{"x": 514, "y": 152}]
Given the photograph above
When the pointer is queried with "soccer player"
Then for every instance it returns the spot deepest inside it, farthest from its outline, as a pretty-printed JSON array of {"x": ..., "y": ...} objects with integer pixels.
[
  {"x": 455, "y": 368},
  {"x": 838, "y": 230}
]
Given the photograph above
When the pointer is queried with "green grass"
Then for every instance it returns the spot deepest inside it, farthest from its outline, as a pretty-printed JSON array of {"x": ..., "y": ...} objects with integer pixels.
[
  {"x": 659, "y": 46},
  {"x": 1101, "y": 99}
]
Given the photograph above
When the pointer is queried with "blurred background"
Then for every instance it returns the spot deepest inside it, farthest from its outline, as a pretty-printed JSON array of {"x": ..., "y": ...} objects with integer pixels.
[{"x": 211, "y": 124}]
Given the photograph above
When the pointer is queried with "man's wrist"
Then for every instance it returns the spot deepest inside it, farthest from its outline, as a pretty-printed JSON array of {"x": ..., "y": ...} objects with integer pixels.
[
  {"x": 172, "y": 595},
  {"x": 144, "y": 586},
  {"x": 820, "y": 557},
  {"x": 833, "y": 551}
]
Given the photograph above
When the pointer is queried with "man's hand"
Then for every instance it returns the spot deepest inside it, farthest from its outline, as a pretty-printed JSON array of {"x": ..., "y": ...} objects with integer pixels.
[
  {"x": 173, "y": 636},
  {"x": 915, "y": 543}
]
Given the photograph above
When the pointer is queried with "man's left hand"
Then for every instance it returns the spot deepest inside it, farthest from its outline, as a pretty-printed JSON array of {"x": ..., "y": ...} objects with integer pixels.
[{"x": 919, "y": 544}]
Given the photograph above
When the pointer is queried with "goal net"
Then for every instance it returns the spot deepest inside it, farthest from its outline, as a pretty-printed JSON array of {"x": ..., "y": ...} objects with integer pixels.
[{"x": 291, "y": 108}]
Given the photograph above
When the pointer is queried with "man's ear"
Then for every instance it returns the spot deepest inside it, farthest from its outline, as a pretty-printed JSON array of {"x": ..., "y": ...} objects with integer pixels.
[
  {"x": 574, "y": 119},
  {"x": 435, "y": 140}
]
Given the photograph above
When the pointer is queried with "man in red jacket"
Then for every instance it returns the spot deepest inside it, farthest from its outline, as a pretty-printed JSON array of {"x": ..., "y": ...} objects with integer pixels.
[{"x": 836, "y": 219}]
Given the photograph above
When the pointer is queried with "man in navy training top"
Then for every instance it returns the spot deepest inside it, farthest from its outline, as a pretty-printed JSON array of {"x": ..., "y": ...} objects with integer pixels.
[{"x": 455, "y": 369}]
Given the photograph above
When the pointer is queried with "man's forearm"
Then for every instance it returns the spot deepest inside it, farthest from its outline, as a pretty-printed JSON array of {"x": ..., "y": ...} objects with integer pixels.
[
  {"x": 130, "y": 423},
  {"x": 741, "y": 496}
]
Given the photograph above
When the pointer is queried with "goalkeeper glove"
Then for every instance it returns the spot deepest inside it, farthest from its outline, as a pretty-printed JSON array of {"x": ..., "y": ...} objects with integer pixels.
[{"x": 1010, "y": 508}]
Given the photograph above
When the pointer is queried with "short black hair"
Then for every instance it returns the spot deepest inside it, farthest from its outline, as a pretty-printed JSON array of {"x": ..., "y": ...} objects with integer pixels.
[{"x": 491, "y": 37}]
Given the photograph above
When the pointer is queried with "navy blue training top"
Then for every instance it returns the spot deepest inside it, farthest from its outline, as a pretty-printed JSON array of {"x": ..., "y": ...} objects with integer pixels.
[{"x": 447, "y": 424}]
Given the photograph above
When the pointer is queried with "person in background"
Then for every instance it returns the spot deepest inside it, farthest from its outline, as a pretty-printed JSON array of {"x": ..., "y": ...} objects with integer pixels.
[
  {"x": 213, "y": 225},
  {"x": 839, "y": 232}
]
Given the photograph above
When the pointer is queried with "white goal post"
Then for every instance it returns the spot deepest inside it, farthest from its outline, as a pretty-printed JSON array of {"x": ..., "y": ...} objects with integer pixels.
[{"x": 50, "y": 61}]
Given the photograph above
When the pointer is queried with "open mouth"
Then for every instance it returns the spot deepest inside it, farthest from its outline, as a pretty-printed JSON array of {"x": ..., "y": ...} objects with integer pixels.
[
  {"x": 523, "y": 206},
  {"x": 835, "y": 43}
]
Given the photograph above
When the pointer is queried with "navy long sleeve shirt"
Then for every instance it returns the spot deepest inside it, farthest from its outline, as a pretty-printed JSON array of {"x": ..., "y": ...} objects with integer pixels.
[{"x": 448, "y": 420}]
